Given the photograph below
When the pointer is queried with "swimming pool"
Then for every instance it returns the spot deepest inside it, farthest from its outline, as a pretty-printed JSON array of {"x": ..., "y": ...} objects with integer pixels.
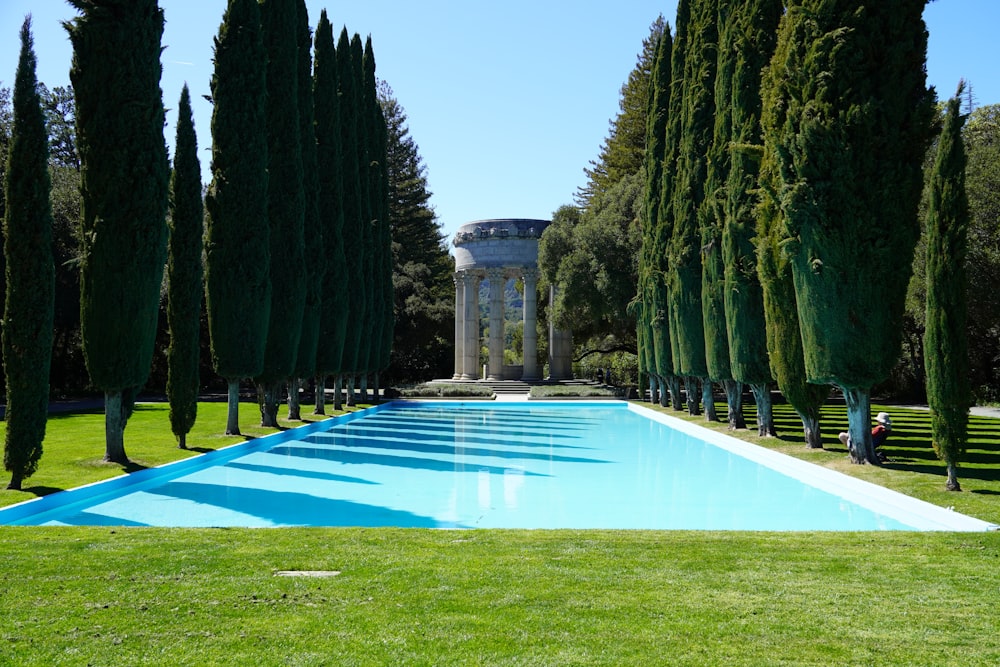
[{"x": 444, "y": 464}]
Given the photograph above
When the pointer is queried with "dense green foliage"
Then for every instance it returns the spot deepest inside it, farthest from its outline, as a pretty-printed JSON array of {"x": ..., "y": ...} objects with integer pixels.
[
  {"x": 29, "y": 273},
  {"x": 285, "y": 202},
  {"x": 314, "y": 261},
  {"x": 238, "y": 286},
  {"x": 125, "y": 181},
  {"x": 424, "y": 292},
  {"x": 334, "y": 311},
  {"x": 948, "y": 388},
  {"x": 354, "y": 201},
  {"x": 184, "y": 275}
]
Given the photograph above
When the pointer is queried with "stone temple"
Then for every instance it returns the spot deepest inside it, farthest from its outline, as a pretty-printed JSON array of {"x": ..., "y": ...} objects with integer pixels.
[{"x": 498, "y": 250}]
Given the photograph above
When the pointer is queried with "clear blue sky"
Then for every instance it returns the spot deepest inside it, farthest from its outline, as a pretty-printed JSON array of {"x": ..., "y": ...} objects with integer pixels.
[{"x": 507, "y": 101}]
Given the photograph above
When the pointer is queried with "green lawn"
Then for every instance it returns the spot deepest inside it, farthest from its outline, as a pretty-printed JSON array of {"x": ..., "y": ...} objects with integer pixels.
[{"x": 105, "y": 596}]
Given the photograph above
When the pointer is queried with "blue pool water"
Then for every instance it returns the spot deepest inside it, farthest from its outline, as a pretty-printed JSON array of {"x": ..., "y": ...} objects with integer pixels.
[{"x": 480, "y": 465}]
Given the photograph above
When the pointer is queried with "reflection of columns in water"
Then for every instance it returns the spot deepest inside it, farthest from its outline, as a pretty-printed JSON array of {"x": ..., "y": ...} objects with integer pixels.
[
  {"x": 530, "y": 333},
  {"x": 459, "y": 324},
  {"x": 497, "y": 285},
  {"x": 470, "y": 356}
]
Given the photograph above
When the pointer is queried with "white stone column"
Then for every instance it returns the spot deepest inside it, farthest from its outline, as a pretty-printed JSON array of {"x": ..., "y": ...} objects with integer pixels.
[
  {"x": 497, "y": 285},
  {"x": 530, "y": 325},
  {"x": 459, "y": 325},
  {"x": 470, "y": 347}
]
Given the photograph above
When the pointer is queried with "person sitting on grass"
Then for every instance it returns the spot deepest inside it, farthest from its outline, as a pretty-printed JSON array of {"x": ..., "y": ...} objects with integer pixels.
[{"x": 883, "y": 426}]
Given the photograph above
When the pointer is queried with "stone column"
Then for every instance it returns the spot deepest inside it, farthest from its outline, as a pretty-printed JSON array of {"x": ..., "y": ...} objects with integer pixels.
[
  {"x": 470, "y": 346},
  {"x": 560, "y": 348},
  {"x": 530, "y": 325},
  {"x": 459, "y": 325},
  {"x": 497, "y": 285}
]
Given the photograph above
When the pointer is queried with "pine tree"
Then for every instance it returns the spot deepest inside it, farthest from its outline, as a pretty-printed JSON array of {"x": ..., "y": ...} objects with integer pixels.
[
  {"x": 184, "y": 276},
  {"x": 30, "y": 273},
  {"x": 946, "y": 347},
  {"x": 749, "y": 42},
  {"x": 125, "y": 176},
  {"x": 333, "y": 315},
  {"x": 858, "y": 123},
  {"x": 684, "y": 252},
  {"x": 314, "y": 261},
  {"x": 285, "y": 203},
  {"x": 784, "y": 341},
  {"x": 238, "y": 286}
]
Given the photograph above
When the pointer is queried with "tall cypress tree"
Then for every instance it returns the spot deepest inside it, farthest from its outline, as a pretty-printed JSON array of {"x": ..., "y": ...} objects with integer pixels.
[
  {"x": 684, "y": 254},
  {"x": 238, "y": 285},
  {"x": 711, "y": 214},
  {"x": 354, "y": 200},
  {"x": 653, "y": 306},
  {"x": 333, "y": 314},
  {"x": 314, "y": 260},
  {"x": 30, "y": 273},
  {"x": 946, "y": 347},
  {"x": 749, "y": 41},
  {"x": 784, "y": 340},
  {"x": 285, "y": 203},
  {"x": 371, "y": 165},
  {"x": 858, "y": 123},
  {"x": 184, "y": 275},
  {"x": 125, "y": 180}
]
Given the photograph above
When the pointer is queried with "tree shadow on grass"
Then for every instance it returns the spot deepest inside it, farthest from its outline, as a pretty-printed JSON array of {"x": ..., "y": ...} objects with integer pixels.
[{"x": 40, "y": 491}]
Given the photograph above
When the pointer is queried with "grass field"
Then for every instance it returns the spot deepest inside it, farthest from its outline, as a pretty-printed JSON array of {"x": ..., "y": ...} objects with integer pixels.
[{"x": 423, "y": 597}]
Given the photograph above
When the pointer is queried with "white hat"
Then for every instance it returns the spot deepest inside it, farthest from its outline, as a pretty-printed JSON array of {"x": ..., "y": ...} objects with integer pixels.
[{"x": 884, "y": 419}]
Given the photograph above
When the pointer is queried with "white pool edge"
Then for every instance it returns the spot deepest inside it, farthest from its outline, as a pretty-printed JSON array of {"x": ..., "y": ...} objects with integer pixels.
[{"x": 919, "y": 514}]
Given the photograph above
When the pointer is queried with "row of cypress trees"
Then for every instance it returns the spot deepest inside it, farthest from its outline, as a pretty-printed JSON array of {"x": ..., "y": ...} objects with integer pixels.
[
  {"x": 295, "y": 158},
  {"x": 784, "y": 149},
  {"x": 286, "y": 139}
]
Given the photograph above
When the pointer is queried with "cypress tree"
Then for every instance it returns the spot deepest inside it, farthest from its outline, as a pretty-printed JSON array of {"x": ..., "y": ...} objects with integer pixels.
[
  {"x": 383, "y": 241},
  {"x": 653, "y": 332},
  {"x": 371, "y": 164},
  {"x": 711, "y": 215},
  {"x": 784, "y": 341},
  {"x": 354, "y": 204},
  {"x": 184, "y": 276},
  {"x": 30, "y": 273},
  {"x": 314, "y": 262},
  {"x": 238, "y": 286},
  {"x": 684, "y": 254},
  {"x": 945, "y": 343},
  {"x": 333, "y": 315},
  {"x": 749, "y": 41},
  {"x": 858, "y": 124},
  {"x": 285, "y": 203},
  {"x": 125, "y": 181}
]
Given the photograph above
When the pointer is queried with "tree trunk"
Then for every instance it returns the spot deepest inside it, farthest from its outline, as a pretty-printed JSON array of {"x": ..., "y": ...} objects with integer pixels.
[
  {"x": 233, "y": 413},
  {"x": 351, "y": 399},
  {"x": 377, "y": 398},
  {"x": 709, "y": 400},
  {"x": 182, "y": 441},
  {"x": 114, "y": 428},
  {"x": 734, "y": 404},
  {"x": 320, "y": 395},
  {"x": 294, "y": 407},
  {"x": 691, "y": 394},
  {"x": 859, "y": 425},
  {"x": 765, "y": 414},
  {"x": 338, "y": 392},
  {"x": 952, "y": 483},
  {"x": 269, "y": 405},
  {"x": 15, "y": 481},
  {"x": 810, "y": 426},
  {"x": 654, "y": 389},
  {"x": 674, "y": 385},
  {"x": 364, "y": 388}
]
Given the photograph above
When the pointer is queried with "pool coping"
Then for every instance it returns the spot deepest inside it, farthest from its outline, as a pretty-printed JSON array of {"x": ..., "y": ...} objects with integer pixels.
[{"x": 919, "y": 514}]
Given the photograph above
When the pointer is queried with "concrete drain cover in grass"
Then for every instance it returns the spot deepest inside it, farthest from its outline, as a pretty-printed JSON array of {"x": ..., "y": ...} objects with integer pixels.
[{"x": 307, "y": 573}]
